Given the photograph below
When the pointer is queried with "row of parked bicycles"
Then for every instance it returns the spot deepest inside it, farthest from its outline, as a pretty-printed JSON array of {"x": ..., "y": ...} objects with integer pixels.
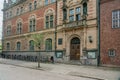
[{"x": 27, "y": 57}]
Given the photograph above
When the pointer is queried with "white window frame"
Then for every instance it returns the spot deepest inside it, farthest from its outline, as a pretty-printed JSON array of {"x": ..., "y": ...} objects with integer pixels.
[{"x": 114, "y": 19}]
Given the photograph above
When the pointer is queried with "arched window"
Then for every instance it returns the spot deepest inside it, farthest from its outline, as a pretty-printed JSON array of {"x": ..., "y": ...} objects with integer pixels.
[
  {"x": 32, "y": 24},
  {"x": 8, "y": 30},
  {"x": 48, "y": 44},
  {"x": 35, "y": 4},
  {"x": 8, "y": 46},
  {"x": 18, "y": 46},
  {"x": 19, "y": 28},
  {"x": 31, "y": 45}
]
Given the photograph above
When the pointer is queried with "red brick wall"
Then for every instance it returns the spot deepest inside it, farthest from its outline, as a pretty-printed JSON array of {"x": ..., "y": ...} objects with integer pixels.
[
  {"x": 110, "y": 38},
  {"x": 25, "y": 17}
]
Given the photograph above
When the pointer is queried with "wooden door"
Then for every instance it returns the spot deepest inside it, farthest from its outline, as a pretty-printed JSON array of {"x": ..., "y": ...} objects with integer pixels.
[{"x": 75, "y": 49}]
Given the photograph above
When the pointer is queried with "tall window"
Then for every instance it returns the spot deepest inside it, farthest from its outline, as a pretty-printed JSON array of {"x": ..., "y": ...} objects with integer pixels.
[
  {"x": 30, "y": 6},
  {"x": 10, "y": 13},
  {"x": 64, "y": 14},
  {"x": 46, "y": 2},
  {"x": 52, "y": 1},
  {"x": 48, "y": 44},
  {"x": 116, "y": 19},
  {"x": 8, "y": 30},
  {"x": 18, "y": 46},
  {"x": 78, "y": 17},
  {"x": 17, "y": 12},
  {"x": 35, "y": 4},
  {"x": 71, "y": 15},
  {"x": 85, "y": 9},
  {"x": 32, "y": 24},
  {"x": 21, "y": 11},
  {"x": 19, "y": 28},
  {"x": 8, "y": 46},
  {"x": 49, "y": 21},
  {"x": 31, "y": 45}
]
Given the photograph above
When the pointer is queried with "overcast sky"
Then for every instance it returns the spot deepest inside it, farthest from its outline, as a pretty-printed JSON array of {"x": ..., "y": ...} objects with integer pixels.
[{"x": 1, "y": 16}]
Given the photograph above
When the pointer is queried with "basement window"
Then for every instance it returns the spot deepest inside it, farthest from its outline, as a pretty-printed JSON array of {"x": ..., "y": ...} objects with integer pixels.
[{"x": 111, "y": 53}]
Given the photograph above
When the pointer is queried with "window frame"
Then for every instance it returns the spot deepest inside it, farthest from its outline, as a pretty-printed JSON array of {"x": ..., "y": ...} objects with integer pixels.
[
  {"x": 49, "y": 21},
  {"x": 32, "y": 24},
  {"x": 116, "y": 19},
  {"x": 46, "y": 2},
  {"x": 31, "y": 45},
  {"x": 48, "y": 47},
  {"x": 73, "y": 15},
  {"x": 30, "y": 6},
  {"x": 8, "y": 30},
  {"x": 18, "y": 46},
  {"x": 8, "y": 46},
  {"x": 35, "y": 5},
  {"x": 111, "y": 52}
]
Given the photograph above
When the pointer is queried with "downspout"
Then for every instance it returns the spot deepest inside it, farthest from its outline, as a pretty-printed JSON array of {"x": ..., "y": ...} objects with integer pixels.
[
  {"x": 98, "y": 24},
  {"x": 56, "y": 29}
]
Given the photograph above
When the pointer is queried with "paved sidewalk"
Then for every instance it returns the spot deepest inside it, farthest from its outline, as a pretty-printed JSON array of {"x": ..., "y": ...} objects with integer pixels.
[{"x": 98, "y": 73}]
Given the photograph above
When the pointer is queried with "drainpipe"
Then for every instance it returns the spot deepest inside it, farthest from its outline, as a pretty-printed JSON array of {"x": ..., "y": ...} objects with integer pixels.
[
  {"x": 98, "y": 24},
  {"x": 56, "y": 29}
]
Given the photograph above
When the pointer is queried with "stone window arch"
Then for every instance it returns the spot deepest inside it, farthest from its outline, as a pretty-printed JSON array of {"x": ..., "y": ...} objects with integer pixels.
[
  {"x": 32, "y": 23},
  {"x": 48, "y": 44},
  {"x": 49, "y": 19}
]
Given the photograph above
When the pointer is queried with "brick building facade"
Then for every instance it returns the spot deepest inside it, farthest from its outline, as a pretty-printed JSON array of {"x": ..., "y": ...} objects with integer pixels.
[
  {"x": 109, "y": 31},
  {"x": 68, "y": 25}
]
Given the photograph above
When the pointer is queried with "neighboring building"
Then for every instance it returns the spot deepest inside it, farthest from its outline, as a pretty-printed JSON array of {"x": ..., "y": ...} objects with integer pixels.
[
  {"x": 110, "y": 32},
  {"x": 70, "y": 27}
]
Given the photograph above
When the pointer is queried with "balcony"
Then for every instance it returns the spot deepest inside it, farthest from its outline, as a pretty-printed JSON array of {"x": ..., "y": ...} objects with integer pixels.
[{"x": 74, "y": 24}]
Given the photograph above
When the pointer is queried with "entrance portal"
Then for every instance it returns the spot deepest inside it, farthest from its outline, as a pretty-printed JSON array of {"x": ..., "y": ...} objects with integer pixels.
[{"x": 75, "y": 49}]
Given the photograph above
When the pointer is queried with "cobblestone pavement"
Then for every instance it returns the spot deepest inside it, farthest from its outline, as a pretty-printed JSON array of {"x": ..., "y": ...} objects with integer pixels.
[{"x": 74, "y": 71}]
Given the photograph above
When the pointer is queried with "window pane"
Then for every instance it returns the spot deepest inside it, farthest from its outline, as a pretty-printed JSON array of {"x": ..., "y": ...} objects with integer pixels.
[
  {"x": 71, "y": 18},
  {"x": 47, "y": 18},
  {"x": 35, "y": 4},
  {"x": 30, "y": 6},
  {"x": 51, "y": 18},
  {"x": 31, "y": 45},
  {"x": 71, "y": 12},
  {"x": 8, "y": 46},
  {"x": 51, "y": 24},
  {"x": 48, "y": 44},
  {"x": 78, "y": 10},
  {"x": 18, "y": 46},
  {"x": 47, "y": 24},
  {"x": 52, "y": 1},
  {"x": 60, "y": 41},
  {"x": 46, "y": 2},
  {"x": 78, "y": 17}
]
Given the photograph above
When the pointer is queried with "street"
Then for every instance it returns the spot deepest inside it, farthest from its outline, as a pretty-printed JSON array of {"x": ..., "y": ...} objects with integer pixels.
[
  {"x": 9, "y": 72},
  {"x": 22, "y": 70}
]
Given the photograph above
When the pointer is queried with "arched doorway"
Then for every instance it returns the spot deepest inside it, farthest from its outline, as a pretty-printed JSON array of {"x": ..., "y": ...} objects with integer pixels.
[{"x": 75, "y": 49}]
